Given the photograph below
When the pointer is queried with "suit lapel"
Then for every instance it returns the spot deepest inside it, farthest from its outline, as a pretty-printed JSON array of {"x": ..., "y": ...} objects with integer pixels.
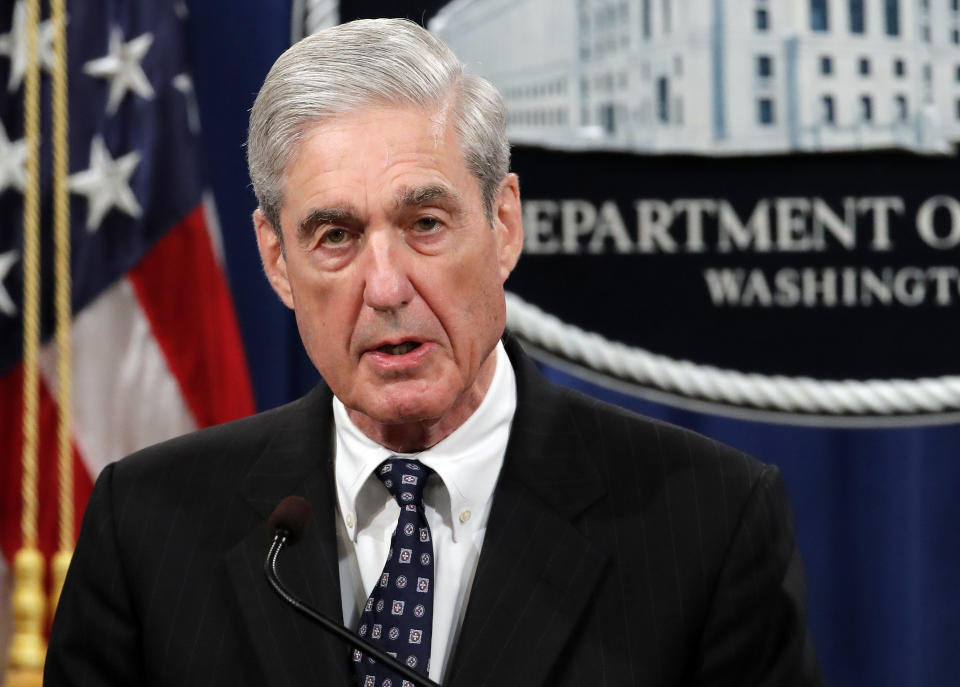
[
  {"x": 536, "y": 570},
  {"x": 291, "y": 649}
]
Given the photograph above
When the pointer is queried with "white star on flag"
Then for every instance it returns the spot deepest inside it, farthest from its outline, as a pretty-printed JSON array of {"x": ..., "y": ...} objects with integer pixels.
[
  {"x": 122, "y": 67},
  {"x": 13, "y": 160},
  {"x": 106, "y": 183},
  {"x": 13, "y": 44},
  {"x": 7, "y": 260}
]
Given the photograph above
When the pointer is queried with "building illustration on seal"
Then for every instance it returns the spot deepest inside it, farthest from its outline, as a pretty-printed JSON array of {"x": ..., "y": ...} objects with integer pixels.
[{"x": 718, "y": 76}]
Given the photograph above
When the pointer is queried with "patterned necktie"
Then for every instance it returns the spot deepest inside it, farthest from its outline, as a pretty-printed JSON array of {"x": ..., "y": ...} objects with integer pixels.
[{"x": 398, "y": 616}]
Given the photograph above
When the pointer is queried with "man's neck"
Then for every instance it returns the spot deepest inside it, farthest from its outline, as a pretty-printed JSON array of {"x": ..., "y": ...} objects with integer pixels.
[{"x": 410, "y": 437}]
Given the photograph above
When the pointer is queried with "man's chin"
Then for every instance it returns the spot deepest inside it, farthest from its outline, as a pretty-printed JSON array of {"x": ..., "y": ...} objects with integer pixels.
[
  {"x": 401, "y": 398},
  {"x": 421, "y": 410},
  {"x": 400, "y": 403},
  {"x": 401, "y": 414}
]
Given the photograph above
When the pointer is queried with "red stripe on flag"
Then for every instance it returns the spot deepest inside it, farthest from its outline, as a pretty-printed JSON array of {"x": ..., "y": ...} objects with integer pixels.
[
  {"x": 11, "y": 447},
  {"x": 185, "y": 297}
]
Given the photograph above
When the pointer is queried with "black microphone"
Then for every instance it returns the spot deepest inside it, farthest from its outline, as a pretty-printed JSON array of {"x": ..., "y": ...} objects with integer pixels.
[{"x": 288, "y": 522}]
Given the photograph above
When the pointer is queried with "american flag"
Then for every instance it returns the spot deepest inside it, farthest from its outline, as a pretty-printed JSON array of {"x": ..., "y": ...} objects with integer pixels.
[{"x": 156, "y": 347}]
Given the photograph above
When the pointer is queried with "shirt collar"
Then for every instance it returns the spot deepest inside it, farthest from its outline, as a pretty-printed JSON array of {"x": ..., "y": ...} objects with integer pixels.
[{"x": 468, "y": 461}]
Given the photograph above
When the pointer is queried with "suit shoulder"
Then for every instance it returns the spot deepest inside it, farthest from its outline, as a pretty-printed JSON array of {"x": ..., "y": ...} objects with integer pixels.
[{"x": 617, "y": 434}]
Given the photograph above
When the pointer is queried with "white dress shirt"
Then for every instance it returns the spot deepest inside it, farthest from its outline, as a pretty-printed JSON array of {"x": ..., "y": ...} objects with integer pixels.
[{"x": 457, "y": 505}]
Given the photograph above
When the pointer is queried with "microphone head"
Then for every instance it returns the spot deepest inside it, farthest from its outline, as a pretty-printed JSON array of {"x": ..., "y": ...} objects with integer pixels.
[{"x": 292, "y": 514}]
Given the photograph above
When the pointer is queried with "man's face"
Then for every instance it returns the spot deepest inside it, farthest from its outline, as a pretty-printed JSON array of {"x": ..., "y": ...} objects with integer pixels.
[{"x": 391, "y": 266}]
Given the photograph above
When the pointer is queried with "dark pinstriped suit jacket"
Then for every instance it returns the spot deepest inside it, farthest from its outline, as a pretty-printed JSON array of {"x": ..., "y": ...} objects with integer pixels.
[{"x": 619, "y": 551}]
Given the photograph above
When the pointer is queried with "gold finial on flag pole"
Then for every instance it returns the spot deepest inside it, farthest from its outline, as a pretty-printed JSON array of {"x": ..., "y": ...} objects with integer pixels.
[{"x": 29, "y": 604}]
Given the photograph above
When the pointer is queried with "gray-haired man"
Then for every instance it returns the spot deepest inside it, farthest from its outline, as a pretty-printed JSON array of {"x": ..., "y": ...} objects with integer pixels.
[{"x": 571, "y": 543}]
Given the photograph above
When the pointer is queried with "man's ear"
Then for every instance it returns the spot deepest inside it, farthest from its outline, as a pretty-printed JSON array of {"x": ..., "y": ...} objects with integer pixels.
[
  {"x": 272, "y": 256},
  {"x": 508, "y": 223}
]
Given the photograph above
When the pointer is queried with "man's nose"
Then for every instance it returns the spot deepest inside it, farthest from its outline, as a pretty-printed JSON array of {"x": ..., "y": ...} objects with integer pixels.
[{"x": 387, "y": 283}]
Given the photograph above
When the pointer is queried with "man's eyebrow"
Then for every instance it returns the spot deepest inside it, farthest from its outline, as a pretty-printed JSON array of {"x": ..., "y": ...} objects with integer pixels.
[
  {"x": 422, "y": 195},
  {"x": 343, "y": 214}
]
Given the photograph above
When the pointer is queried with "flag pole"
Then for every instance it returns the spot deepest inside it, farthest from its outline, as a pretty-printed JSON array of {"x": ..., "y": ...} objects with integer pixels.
[
  {"x": 27, "y": 648},
  {"x": 64, "y": 310}
]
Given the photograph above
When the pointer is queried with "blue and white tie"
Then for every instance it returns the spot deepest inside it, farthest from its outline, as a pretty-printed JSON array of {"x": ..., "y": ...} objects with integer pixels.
[{"x": 398, "y": 615}]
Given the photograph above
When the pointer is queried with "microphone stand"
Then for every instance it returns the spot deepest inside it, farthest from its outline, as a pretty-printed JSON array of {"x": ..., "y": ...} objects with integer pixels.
[{"x": 273, "y": 577}]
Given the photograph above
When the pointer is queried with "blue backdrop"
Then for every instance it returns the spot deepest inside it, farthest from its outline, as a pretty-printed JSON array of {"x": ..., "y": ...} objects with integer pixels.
[{"x": 877, "y": 509}]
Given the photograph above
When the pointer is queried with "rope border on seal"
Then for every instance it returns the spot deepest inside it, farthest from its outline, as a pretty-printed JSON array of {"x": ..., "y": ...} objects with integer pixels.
[{"x": 706, "y": 382}]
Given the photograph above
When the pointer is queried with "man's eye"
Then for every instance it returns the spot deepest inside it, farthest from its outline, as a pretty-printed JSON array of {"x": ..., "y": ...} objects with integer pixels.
[
  {"x": 427, "y": 224},
  {"x": 335, "y": 236}
]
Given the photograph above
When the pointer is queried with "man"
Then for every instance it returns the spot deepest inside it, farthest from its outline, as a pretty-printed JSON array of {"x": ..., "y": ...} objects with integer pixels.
[{"x": 553, "y": 539}]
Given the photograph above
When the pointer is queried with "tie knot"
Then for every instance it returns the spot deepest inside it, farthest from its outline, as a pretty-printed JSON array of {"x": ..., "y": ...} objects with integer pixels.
[{"x": 404, "y": 479}]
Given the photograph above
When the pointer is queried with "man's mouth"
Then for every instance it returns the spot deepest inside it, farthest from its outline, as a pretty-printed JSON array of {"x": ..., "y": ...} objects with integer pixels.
[{"x": 399, "y": 349}]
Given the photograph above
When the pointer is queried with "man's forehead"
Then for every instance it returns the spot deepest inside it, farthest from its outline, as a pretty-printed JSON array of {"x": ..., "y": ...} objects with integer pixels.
[
  {"x": 410, "y": 196},
  {"x": 332, "y": 159},
  {"x": 335, "y": 139}
]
